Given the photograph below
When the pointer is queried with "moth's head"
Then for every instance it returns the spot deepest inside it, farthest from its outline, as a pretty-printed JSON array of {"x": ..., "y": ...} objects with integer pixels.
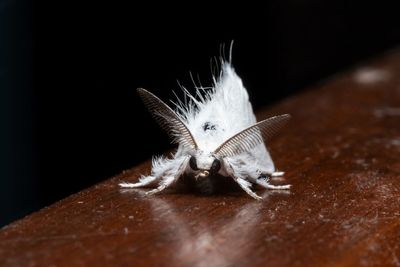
[{"x": 204, "y": 164}]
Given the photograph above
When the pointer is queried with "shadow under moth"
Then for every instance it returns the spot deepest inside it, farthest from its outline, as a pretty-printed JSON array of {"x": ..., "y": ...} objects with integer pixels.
[{"x": 217, "y": 133}]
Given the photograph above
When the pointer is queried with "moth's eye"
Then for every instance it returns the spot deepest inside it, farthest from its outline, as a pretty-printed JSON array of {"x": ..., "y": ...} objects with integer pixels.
[
  {"x": 193, "y": 163},
  {"x": 216, "y": 165}
]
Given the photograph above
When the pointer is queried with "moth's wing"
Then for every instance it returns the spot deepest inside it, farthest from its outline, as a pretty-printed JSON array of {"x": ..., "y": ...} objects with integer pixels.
[
  {"x": 167, "y": 119},
  {"x": 251, "y": 136}
]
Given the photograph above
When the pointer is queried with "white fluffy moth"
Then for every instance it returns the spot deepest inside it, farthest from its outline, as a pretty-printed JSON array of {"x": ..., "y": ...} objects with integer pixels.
[{"x": 217, "y": 133}]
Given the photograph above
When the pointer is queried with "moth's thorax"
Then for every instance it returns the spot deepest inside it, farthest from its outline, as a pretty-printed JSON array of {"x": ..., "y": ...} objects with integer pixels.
[
  {"x": 209, "y": 134},
  {"x": 204, "y": 164},
  {"x": 204, "y": 160}
]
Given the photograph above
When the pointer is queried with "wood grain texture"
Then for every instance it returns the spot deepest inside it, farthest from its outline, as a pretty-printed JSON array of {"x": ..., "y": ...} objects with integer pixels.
[{"x": 341, "y": 153}]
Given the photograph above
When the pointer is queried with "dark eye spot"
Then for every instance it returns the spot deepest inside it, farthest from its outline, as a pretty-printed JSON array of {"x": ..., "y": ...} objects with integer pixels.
[
  {"x": 208, "y": 126},
  {"x": 216, "y": 165},
  {"x": 193, "y": 163}
]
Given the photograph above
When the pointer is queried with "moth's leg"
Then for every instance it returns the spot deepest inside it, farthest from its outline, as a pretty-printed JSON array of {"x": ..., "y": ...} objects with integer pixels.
[
  {"x": 277, "y": 174},
  {"x": 165, "y": 182},
  {"x": 160, "y": 167},
  {"x": 261, "y": 167},
  {"x": 265, "y": 183},
  {"x": 254, "y": 176},
  {"x": 253, "y": 166},
  {"x": 245, "y": 185},
  {"x": 143, "y": 181},
  {"x": 176, "y": 170}
]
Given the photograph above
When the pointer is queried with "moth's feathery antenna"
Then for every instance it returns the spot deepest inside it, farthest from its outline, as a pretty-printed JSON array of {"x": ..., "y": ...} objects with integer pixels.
[
  {"x": 251, "y": 136},
  {"x": 167, "y": 119}
]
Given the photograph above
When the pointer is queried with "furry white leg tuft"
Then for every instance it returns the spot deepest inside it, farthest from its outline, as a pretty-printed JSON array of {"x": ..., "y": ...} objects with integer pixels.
[
  {"x": 277, "y": 174},
  {"x": 166, "y": 170},
  {"x": 161, "y": 167},
  {"x": 166, "y": 182},
  {"x": 245, "y": 185},
  {"x": 264, "y": 183},
  {"x": 237, "y": 177},
  {"x": 143, "y": 181}
]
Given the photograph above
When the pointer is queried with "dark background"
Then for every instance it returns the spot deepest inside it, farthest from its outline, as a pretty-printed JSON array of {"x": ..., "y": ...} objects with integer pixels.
[{"x": 70, "y": 116}]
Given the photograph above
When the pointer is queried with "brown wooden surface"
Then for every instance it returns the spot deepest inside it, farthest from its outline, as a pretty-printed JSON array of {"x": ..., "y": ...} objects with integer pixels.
[{"x": 341, "y": 153}]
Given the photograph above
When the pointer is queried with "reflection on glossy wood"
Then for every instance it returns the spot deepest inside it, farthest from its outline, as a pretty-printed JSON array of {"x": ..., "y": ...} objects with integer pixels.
[{"x": 341, "y": 153}]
